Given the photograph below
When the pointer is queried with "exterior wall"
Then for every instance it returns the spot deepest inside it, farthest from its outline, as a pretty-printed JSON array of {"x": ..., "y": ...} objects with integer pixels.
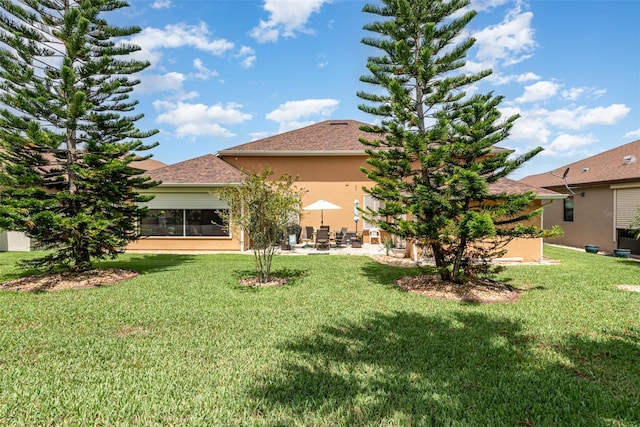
[
  {"x": 528, "y": 250},
  {"x": 593, "y": 217},
  {"x": 184, "y": 244},
  {"x": 189, "y": 195},
  {"x": 337, "y": 179},
  {"x": 13, "y": 241}
]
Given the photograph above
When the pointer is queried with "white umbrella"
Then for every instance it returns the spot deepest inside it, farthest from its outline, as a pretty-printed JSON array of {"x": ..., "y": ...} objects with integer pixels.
[{"x": 321, "y": 205}]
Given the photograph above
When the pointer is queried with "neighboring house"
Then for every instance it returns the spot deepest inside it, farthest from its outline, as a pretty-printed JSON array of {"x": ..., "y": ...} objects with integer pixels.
[
  {"x": 604, "y": 197},
  {"x": 326, "y": 157},
  {"x": 14, "y": 241}
]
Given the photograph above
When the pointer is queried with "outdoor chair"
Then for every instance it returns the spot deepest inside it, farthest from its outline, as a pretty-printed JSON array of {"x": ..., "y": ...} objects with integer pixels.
[
  {"x": 374, "y": 233},
  {"x": 322, "y": 238},
  {"x": 341, "y": 237},
  {"x": 308, "y": 231}
]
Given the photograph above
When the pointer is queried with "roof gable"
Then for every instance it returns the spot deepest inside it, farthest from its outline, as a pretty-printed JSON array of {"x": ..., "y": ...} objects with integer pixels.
[
  {"x": 619, "y": 164},
  {"x": 327, "y": 136},
  {"x": 204, "y": 170}
]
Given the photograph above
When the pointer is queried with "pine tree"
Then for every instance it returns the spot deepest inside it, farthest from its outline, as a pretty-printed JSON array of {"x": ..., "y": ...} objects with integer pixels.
[
  {"x": 431, "y": 157},
  {"x": 67, "y": 131}
]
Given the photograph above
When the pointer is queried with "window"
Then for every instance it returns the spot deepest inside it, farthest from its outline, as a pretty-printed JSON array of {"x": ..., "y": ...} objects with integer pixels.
[
  {"x": 374, "y": 204},
  {"x": 185, "y": 222},
  {"x": 568, "y": 209}
]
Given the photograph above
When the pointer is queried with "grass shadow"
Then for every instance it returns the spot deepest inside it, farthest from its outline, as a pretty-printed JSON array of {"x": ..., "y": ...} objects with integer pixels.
[
  {"x": 383, "y": 274},
  {"x": 413, "y": 369},
  {"x": 148, "y": 263}
]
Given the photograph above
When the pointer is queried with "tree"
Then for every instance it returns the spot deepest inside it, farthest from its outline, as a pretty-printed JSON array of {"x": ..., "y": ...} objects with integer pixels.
[
  {"x": 263, "y": 208},
  {"x": 431, "y": 157},
  {"x": 67, "y": 142}
]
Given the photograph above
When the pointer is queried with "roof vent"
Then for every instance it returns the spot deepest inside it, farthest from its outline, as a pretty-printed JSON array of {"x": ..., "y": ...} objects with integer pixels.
[
  {"x": 628, "y": 159},
  {"x": 585, "y": 169},
  {"x": 339, "y": 123}
]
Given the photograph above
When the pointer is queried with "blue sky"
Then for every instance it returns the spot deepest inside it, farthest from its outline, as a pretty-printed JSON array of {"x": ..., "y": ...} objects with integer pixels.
[{"x": 228, "y": 72}]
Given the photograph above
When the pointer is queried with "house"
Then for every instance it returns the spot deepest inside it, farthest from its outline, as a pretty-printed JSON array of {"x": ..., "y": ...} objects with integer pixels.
[
  {"x": 604, "y": 197},
  {"x": 326, "y": 157},
  {"x": 14, "y": 241}
]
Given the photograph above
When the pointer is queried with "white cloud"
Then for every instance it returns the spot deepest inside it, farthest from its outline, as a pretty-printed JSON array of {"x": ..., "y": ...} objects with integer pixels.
[
  {"x": 530, "y": 126},
  {"x": 153, "y": 40},
  {"x": 161, "y": 4},
  {"x": 289, "y": 114},
  {"x": 539, "y": 91},
  {"x": 573, "y": 93},
  {"x": 527, "y": 77},
  {"x": 479, "y": 5},
  {"x": 498, "y": 79},
  {"x": 199, "y": 119},
  {"x": 633, "y": 134},
  {"x": 567, "y": 145},
  {"x": 582, "y": 117},
  {"x": 286, "y": 18},
  {"x": 203, "y": 73},
  {"x": 509, "y": 41},
  {"x": 247, "y": 57},
  {"x": 576, "y": 92},
  {"x": 161, "y": 82}
]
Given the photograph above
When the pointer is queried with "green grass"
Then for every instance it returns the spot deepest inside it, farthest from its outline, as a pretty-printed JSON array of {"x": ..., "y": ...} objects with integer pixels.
[{"x": 183, "y": 344}]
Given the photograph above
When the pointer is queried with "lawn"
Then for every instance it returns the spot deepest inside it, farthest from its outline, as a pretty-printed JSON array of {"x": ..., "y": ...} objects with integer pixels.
[{"x": 183, "y": 344}]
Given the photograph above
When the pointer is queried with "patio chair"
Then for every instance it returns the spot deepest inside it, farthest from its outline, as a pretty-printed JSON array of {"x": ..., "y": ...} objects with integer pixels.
[
  {"x": 322, "y": 238},
  {"x": 341, "y": 237},
  {"x": 308, "y": 234},
  {"x": 374, "y": 233}
]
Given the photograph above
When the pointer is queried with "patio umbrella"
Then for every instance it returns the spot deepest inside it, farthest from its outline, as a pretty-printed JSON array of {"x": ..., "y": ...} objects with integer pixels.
[{"x": 321, "y": 205}]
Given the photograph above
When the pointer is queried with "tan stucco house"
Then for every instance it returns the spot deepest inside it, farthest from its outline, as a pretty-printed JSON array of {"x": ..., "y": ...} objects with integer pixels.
[
  {"x": 15, "y": 241},
  {"x": 603, "y": 198},
  {"x": 326, "y": 157}
]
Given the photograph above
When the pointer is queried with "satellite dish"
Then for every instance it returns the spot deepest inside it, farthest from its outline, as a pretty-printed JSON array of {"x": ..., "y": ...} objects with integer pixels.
[{"x": 566, "y": 182}]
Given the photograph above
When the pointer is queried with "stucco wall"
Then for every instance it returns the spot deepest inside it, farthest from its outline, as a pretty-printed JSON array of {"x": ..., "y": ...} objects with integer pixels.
[
  {"x": 184, "y": 244},
  {"x": 592, "y": 219},
  {"x": 337, "y": 179}
]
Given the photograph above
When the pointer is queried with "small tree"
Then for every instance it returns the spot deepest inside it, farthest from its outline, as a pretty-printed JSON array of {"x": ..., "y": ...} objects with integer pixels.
[
  {"x": 431, "y": 157},
  {"x": 66, "y": 141},
  {"x": 262, "y": 209}
]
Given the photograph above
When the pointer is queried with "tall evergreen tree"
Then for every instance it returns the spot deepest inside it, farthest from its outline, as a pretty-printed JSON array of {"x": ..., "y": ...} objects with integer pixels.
[
  {"x": 431, "y": 157},
  {"x": 67, "y": 131}
]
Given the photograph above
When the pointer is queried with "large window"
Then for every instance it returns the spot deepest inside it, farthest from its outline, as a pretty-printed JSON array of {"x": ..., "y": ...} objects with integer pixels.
[
  {"x": 185, "y": 222},
  {"x": 568, "y": 209}
]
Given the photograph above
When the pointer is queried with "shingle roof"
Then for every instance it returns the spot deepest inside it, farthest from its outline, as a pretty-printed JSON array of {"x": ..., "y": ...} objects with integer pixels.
[
  {"x": 607, "y": 167},
  {"x": 330, "y": 136},
  {"x": 147, "y": 165},
  {"x": 509, "y": 186},
  {"x": 327, "y": 136},
  {"x": 207, "y": 169}
]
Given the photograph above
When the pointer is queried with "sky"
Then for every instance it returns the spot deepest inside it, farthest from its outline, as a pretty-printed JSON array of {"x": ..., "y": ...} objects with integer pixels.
[{"x": 224, "y": 73}]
